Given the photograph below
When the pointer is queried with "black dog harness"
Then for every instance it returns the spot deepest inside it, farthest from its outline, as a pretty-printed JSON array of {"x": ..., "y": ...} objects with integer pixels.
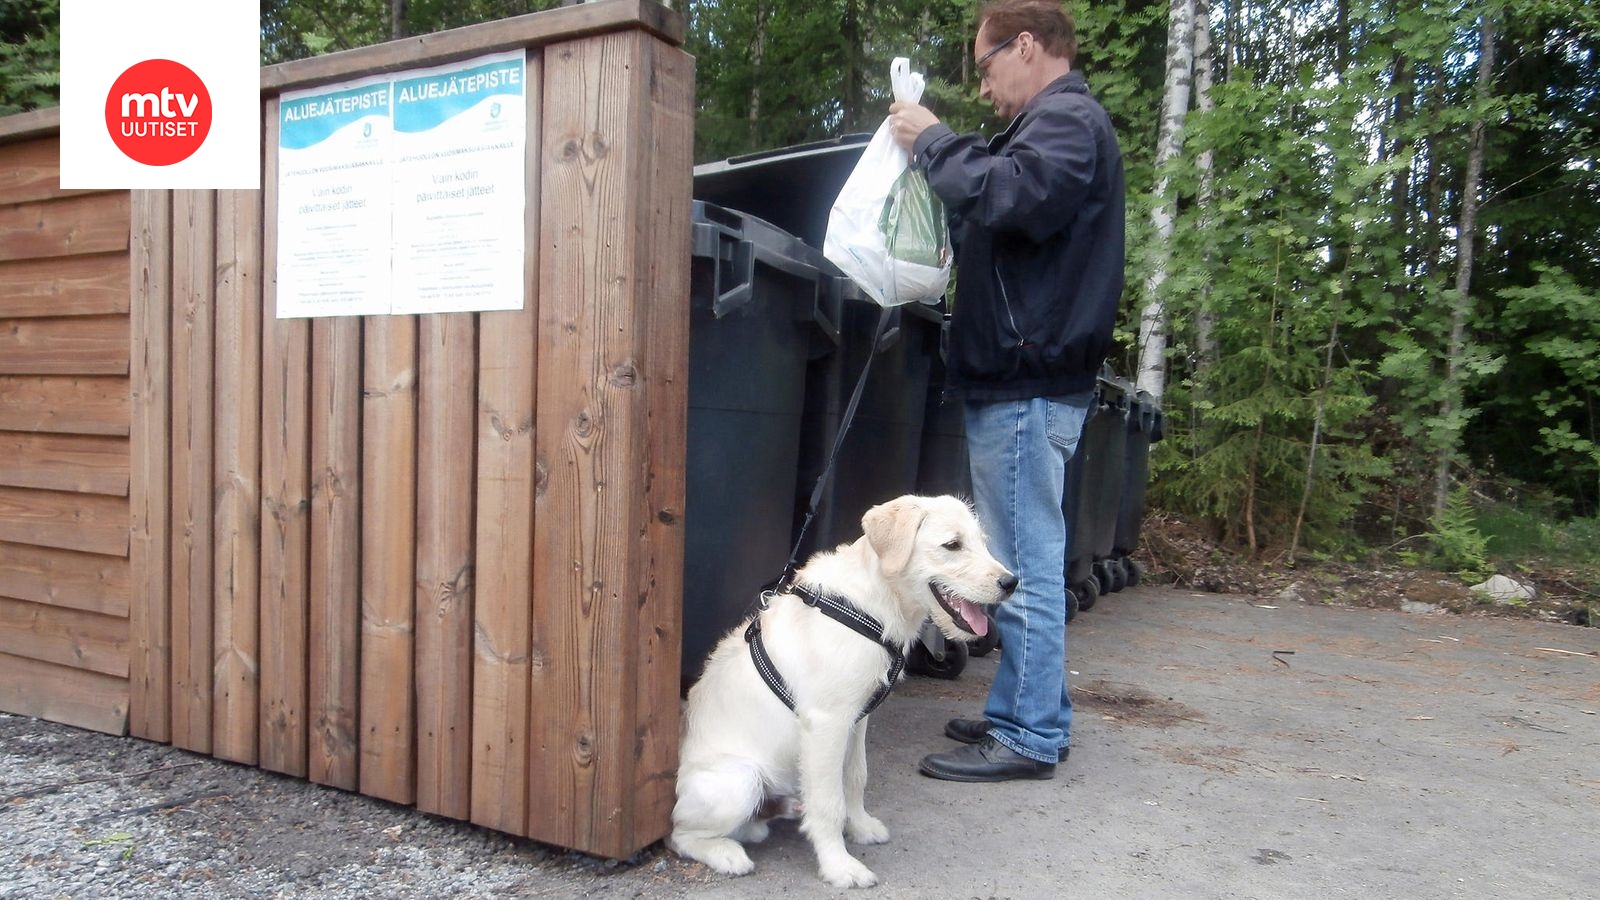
[{"x": 844, "y": 612}]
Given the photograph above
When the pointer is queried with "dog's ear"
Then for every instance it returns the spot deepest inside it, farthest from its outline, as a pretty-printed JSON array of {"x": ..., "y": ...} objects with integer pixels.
[{"x": 891, "y": 529}]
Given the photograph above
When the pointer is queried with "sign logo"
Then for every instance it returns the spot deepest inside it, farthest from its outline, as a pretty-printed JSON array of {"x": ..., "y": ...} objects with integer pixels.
[{"x": 158, "y": 112}]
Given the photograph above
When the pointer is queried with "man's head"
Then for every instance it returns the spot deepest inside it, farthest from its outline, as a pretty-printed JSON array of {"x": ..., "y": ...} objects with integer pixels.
[{"x": 1022, "y": 46}]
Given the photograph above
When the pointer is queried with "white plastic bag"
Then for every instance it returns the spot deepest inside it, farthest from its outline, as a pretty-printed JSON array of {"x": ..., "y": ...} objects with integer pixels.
[{"x": 887, "y": 229}]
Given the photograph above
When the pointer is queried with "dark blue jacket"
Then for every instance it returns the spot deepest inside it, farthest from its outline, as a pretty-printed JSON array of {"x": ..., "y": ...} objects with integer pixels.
[{"x": 1037, "y": 222}]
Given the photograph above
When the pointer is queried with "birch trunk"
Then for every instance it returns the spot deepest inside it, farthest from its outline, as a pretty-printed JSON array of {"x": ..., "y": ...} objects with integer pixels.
[
  {"x": 1152, "y": 375},
  {"x": 1461, "y": 301}
]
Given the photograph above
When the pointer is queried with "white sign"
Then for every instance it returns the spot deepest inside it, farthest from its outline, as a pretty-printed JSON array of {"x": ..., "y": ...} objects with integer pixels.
[
  {"x": 404, "y": 194},
  {"x": 458, "y": 165},
  {"x": 333, "y": 201}
]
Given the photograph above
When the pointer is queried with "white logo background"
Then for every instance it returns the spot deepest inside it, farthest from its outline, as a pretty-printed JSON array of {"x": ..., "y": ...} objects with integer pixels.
[{"x": 219, "y": 39}]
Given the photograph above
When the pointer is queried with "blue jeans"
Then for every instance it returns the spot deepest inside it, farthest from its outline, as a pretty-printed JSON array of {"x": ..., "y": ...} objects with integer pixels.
[{"x": 1019, "y": 451}]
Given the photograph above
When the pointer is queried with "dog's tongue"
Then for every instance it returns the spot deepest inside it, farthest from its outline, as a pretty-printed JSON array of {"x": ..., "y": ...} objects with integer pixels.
[{"x": 977, "y": 622}]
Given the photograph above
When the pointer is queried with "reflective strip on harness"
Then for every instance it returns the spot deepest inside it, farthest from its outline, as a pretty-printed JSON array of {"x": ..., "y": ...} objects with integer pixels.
[{"x": 845, "y": 613}]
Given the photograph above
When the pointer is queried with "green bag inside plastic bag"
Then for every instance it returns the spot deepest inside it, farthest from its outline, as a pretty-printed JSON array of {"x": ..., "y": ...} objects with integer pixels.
[{"x": 913, "y": 222}]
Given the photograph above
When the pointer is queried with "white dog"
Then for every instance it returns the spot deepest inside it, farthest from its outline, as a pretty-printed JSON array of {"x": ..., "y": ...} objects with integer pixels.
[{"x": 747, "y": 756}]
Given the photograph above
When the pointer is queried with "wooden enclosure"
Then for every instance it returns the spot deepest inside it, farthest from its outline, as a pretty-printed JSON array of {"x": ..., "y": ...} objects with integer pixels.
[{"x": 435, "y": 559}]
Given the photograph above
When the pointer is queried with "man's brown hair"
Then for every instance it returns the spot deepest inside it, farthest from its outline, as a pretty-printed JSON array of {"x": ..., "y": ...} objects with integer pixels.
[{"x": 1047, "y": 20}]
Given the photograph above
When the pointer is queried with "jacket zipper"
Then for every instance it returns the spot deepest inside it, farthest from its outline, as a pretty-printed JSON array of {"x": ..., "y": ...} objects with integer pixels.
[{"x": 1006, "y": 299}]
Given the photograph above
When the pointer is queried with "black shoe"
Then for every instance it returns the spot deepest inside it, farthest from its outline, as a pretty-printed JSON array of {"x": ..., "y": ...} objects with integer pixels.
[
  {"x": 967, "y": 731},
  {"x": 986, "y": 761},
  {"x": 975, "y": 731}
]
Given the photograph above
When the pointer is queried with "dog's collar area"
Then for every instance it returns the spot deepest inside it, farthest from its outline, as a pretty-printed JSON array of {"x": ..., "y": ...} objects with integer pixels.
[{"x": 845, "y": 613}]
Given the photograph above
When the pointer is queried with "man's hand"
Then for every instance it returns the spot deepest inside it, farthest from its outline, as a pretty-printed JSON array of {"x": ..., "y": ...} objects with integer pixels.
[{"x": 907, "y": 121}]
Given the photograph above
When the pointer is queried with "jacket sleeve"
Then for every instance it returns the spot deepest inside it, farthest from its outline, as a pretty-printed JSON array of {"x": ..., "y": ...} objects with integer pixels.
[{"x": 1033, "y": 185}]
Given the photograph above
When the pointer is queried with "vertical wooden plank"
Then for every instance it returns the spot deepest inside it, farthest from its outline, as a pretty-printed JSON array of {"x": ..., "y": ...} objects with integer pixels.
[
  {"x": 388, "y": 538},
  {"x": 447, "y": 360},
  {"x": 503, "y": 598},
  {"x": 236, "y": 679},
  {"x": 150, "y": 261},
  {"x": 591, "y": 433},
  {"x": 193, "y": 290},
  {"x": 285, "y": 499},
  {"x": 663, "y": 279},
  {"x": 335, "y": 593}
]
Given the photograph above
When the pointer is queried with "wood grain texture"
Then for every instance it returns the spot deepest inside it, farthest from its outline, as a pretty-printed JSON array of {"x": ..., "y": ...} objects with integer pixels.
[
  {"x": 81, "y": 345},
  {"x": 149, "y": 504},
  {"x": 285, "y": 500},
  {"x": 507, "y": 356},
  {"x": 64, "y": 405},
  {"x": 31, "y": 169},
  {"x": 447, "y": 360},
  {"x": 592, "y": 564},
  {"x": 335, "y": 586},
  {"x": 388, "y": 545},
  {"x": 90, "y": 523},
  {"x": 92, "y": 223},
  {"x": 236, "y": 682},
  {"x": 192, "y": 570},
  {"x": 66, "y": 637},
  {"x": 93, "y": 285},
  {"x": 71, "y": 696},
  {"x": 65, "y": 578},
  {"x": 87, "y": 464},
  {"x": 531, "y": 30}
]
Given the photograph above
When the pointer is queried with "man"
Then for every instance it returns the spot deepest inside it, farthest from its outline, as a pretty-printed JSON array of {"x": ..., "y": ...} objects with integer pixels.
[{"x": 1038, "y": 230}]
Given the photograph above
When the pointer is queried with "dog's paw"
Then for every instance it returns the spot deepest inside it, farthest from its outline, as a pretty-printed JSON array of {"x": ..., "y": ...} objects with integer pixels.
[
  {"x": 848, "y": 873},
  {"x": 722, "y": 854},
  {"x": 753, "y": 832},
  {"x": 866, "y": 830}
]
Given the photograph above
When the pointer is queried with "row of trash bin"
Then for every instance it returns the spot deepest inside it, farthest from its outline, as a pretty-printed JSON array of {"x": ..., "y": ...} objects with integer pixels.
[{"x": 778, "y": 338}]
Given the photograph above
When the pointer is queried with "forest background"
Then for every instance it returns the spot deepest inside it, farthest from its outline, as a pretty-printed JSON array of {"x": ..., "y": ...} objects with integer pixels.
[{"x": 1364, "y": 241}]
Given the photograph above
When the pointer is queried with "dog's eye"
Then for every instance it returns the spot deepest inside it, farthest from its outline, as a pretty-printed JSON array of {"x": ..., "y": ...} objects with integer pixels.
[{"x": 953, "y": 545}]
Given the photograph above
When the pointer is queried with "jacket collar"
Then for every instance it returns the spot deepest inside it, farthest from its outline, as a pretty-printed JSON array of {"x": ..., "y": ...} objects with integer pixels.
[{"x": 1071, "y": 83}]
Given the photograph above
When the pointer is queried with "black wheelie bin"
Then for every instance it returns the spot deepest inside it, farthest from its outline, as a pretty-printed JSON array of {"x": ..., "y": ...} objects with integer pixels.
[
  {"x": 1094, "y": 493},
  {"x": 1145, "y": 427},
  {"x": 756, "y": 300}
]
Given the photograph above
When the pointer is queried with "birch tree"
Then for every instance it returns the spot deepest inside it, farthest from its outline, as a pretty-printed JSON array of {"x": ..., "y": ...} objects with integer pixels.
[
  {"x": 1174, "y": 109},
  {"x": 1451, "y": 413}
]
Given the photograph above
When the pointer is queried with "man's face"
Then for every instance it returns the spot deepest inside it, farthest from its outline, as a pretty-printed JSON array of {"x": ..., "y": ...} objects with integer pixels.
[{"x": 1000, "y": 70}]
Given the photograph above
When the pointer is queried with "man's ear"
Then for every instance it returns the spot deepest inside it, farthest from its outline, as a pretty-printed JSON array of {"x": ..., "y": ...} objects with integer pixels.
[{"x": 891, "y": 529}]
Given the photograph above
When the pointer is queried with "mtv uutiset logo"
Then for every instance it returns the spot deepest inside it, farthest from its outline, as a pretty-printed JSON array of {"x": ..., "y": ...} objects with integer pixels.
[
  {"x": 158, "y": 112},
  {"x": 147, "y": 103}
]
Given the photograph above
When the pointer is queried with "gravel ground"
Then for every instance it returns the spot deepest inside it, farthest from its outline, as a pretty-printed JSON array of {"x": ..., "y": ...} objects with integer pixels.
[
  {"x": 1223, "y": 747},
  {"x": 88, "y": 815}
]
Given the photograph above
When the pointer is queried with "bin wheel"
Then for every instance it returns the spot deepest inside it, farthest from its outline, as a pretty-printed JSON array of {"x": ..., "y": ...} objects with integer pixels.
[
  {"x": 984, "y": 645},
  {"x": 1132, "y": 570},
  {"x": 1087, "y": 594},
  {"x": 1101, "y": 577},
  {"x": 1119, "y": 575},
  {"x": 920, "y": 661}
]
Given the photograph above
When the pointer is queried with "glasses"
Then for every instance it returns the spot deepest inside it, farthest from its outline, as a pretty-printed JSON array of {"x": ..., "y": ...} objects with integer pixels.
[{"x": 979, "y": 65}]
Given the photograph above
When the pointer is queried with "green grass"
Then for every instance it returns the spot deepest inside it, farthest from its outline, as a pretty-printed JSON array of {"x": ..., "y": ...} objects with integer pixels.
[{"x": 1518, "y": 534}]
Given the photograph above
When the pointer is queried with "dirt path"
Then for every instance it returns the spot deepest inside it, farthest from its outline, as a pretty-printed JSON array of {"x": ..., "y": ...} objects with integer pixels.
[{"x": 1221, "y": 749}]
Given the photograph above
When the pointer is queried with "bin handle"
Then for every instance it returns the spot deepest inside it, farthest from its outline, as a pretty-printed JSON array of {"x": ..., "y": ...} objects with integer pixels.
[{"x": 742, "y": 262}]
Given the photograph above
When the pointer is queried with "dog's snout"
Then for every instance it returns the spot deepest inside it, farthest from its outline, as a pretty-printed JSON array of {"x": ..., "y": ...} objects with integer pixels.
[{"x": 1008, "y": 584}]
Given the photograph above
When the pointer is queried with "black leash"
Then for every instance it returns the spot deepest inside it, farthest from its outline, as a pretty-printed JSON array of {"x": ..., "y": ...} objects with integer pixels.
[
  {"x": 785, "y": 579},
  {"x": 838, "y": 609}
]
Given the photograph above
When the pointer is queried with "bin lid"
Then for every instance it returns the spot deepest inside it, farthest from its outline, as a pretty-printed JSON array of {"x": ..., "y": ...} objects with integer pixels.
[{"x": 791, "y": 187}]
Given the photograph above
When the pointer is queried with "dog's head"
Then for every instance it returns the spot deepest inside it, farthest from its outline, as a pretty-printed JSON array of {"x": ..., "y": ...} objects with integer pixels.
[{"x": 932, "y": 551}]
